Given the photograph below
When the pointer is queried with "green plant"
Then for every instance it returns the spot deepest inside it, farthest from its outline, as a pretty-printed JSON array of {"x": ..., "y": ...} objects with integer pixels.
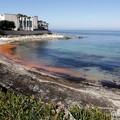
[
  {"x": 61, "y": 114},
  {"x": 2, "y": 32},
  {"x": 14, "y": 106},
  {"x": 19, "y": 107},
  {"x": 7, "y": 25},
  {"x": 88, "y": 114}
]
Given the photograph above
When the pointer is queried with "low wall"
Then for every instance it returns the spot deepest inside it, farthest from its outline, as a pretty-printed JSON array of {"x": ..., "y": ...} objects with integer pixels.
[{"x": 7, "y": 32}]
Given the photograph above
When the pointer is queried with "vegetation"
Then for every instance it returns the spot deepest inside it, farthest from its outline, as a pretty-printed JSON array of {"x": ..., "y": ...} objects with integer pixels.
[
  {"x": 7, "y": 25},
  {"x": 2, "y": 32},
  {"x": 19, "y": 107},
  {"x": 88, "y": 114}
]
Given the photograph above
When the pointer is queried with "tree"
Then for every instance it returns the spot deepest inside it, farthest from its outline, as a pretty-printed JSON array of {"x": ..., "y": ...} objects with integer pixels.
[
  {"x": 7, "y": 25},
  {"x": 2, "y": 32}
]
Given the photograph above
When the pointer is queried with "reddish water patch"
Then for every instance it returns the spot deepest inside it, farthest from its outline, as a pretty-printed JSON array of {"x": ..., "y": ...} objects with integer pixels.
[
  {"x": 7, "y": 50},
  {"x": 55, "y": 71}
]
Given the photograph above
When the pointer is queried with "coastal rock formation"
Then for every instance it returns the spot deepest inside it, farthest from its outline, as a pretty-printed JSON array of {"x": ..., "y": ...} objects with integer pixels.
[
  {"x": 30, "y": 82},
  {"x": 19, "y": 38}
]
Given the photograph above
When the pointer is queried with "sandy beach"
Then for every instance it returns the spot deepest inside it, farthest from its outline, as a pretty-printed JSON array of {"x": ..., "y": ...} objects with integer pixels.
[{"x": 30, "y": 81}]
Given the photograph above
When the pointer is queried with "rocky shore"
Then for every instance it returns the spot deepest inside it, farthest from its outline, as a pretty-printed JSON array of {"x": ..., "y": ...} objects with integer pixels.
[
  {"x": 30, "y": 81},
  {"x": 18, "y": 38}
]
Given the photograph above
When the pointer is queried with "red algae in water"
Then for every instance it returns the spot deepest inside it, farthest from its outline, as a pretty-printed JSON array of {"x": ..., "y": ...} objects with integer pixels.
[
  {"x": 6, "y": 50},
  {"x": 56, "y": 71}
]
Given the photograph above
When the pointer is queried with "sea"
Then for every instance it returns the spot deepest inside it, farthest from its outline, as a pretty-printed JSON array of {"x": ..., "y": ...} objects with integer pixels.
[{"x": 95, "y": 56}]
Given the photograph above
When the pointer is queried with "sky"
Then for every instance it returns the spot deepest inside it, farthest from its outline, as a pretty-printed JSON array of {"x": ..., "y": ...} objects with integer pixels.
[{"x": 69, "y": 14}]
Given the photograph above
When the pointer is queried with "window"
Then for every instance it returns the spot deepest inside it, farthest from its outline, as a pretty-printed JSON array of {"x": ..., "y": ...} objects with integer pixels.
[
  {"x": 20, "y": 21},
  {"x": 24, "y": 23},
  {"x": 27, "y": 23},
  {"x": 30, "y": 23}
]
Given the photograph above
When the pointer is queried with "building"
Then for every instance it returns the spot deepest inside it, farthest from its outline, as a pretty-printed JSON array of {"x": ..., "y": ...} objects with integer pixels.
[
  {"x": 24, "y": 22},
  {"x": 42, "y": 25}
]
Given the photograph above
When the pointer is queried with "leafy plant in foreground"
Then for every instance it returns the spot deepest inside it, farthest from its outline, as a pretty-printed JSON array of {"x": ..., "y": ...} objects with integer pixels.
[
  {"x": 88, "y": 114},
  {"x": 20, "y": 107}
]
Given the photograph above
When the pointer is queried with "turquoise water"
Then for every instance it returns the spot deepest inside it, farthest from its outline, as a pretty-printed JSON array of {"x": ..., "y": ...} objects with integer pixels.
[{"x": 97, "y": 54}]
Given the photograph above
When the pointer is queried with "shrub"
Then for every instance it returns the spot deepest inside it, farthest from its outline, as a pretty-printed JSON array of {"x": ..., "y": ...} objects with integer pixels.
[
  {"x": 7, "y": 25},
  {"x": 2, "y": 32},
  {"x": 88, "y": 114},
  {"x": 20, "y": 107},
  {"x": 61, "y": 114}
]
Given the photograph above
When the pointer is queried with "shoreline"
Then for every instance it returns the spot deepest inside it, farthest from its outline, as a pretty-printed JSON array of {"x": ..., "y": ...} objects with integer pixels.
[
  {"x": 30, "y": 81},
  {"x": 21, "y": 38}
]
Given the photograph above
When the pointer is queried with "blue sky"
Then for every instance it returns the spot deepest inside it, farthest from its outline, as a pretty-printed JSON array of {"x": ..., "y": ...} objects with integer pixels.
[{"x": 69, "y": 14}]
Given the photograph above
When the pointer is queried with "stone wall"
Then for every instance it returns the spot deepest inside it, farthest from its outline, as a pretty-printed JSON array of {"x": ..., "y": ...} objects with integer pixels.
[{"x": 26, "y": 32}]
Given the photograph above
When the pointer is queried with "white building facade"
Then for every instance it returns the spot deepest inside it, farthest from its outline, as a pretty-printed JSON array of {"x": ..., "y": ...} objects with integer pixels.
[{"x": 22, "y": 22}]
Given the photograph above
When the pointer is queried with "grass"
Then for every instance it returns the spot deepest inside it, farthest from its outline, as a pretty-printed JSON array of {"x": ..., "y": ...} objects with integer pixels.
[{"x": 20, "y": 107}]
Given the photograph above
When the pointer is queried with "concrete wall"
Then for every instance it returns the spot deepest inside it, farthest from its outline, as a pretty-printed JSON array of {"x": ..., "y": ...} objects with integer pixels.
[
  {"x": 2, "y": 17},
  {"x": 35, "y": 22},
  {"x": 26, "y": 32}
]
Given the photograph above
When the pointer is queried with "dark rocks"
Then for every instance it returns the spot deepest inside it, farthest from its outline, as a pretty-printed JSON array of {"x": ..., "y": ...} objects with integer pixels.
[{"x": 110, "y": 84}]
